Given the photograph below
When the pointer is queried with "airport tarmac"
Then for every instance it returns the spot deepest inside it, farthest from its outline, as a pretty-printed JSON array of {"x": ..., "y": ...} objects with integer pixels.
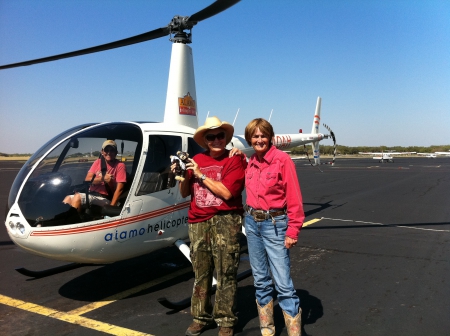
[{"x": 372, "y": 259}]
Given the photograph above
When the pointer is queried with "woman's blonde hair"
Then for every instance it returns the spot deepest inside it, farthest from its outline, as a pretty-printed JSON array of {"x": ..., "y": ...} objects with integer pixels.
[{"x": 264, "y": 126}]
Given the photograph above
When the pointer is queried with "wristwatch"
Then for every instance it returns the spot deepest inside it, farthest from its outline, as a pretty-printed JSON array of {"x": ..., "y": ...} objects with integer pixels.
[{"x": 203, "y": 177}]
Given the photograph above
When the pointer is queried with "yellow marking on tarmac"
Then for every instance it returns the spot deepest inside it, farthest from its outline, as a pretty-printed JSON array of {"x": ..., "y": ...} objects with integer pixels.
[
  {"x": 66, "y": 317},
  {"x": 95, "y": 305},
  {"x": 312, "y": 221}
]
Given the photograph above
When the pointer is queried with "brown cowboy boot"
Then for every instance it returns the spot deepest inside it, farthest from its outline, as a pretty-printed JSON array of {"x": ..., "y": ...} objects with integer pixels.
[
  {"x": 226, "y": 331},
  {"x": 293, "y": 324},
  {"x": 266, "y": 319},
  {"x": 195, "y": 329}
]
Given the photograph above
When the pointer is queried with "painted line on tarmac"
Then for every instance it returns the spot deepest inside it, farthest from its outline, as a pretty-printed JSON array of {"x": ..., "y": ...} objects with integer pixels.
[
  {"x": 374, "y": 223},
  {"x": 95, "y": 305},
  {"x": 74, "y": 316},
  {"x": 66, "y": 317},
  {"x": 312, "y": 221}
]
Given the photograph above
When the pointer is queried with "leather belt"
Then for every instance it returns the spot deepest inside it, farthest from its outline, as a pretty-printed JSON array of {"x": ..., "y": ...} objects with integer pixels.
[{"x": 262, "y": 215}]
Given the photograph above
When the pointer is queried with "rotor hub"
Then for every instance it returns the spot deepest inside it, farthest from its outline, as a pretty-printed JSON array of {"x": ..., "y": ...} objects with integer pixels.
[{"x": 177, "y": 26}]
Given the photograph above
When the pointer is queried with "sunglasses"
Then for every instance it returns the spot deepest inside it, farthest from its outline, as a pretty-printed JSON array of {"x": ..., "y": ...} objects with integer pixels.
[
  {"x": 109, "y": 150},
  {"x": 218, "y": 136}
]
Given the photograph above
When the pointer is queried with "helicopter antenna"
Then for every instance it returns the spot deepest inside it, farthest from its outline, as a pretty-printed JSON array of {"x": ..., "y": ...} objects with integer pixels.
[
  {"x": 270, "y": 115},
  {"x": 236, "y": 116},
  {"x": 207, "y": 115}
]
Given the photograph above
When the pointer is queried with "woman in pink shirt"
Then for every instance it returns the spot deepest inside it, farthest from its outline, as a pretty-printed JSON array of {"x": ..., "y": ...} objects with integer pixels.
[{"x": 273, "y": 219}]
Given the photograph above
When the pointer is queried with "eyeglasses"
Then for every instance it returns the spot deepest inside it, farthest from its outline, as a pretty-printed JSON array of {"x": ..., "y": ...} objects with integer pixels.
[{"x": 218, "y": 136}]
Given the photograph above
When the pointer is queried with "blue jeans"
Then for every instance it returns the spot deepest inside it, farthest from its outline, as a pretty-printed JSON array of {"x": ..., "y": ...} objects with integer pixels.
[{"x": 267, "y": 251}]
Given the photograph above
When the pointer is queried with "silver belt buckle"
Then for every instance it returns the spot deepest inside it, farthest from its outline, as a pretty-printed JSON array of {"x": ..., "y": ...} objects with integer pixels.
[{"x": 259, "y": 216}]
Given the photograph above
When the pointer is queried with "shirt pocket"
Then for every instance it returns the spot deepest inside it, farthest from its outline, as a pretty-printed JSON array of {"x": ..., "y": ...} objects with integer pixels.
[
  {"x": 248, "y": 179},
  {"x": 271, "y": 179}
]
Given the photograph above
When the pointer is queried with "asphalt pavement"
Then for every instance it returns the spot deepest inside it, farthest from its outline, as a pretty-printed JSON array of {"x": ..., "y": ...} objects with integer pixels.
[{"x": 373, "y": 259}]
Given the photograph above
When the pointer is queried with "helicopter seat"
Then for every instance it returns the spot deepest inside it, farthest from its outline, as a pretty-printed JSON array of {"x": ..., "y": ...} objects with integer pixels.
[{"x": 98, "y": 212}]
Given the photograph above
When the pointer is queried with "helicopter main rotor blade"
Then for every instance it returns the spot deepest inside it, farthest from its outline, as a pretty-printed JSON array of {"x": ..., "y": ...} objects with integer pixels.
[
  {"x": 154, "y": 34},
  {"x": 211, "y": 10}
]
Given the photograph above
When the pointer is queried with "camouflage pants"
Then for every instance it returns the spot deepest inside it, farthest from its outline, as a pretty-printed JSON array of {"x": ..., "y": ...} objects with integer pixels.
[{"x": 215, "y": 244}]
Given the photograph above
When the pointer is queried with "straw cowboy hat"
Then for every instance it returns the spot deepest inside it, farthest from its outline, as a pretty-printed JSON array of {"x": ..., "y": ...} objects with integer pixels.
[{"x": 213, "y": 123}]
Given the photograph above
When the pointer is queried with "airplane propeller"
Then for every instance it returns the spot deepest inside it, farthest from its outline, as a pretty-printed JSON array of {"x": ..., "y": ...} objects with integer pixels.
[{"x": 177, "y": 26}]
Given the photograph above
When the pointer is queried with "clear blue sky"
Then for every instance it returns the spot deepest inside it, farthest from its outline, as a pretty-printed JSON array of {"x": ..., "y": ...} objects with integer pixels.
[{"x": 382, "y": 68}]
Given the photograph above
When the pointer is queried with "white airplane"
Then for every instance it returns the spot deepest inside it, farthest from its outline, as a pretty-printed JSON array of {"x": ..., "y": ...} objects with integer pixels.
[
  {"x": 435, "y": 154},
  {"x": 428, "y": 155},
  {"x": 385, "y": 156},
  {"x": 152, "y": 214}
]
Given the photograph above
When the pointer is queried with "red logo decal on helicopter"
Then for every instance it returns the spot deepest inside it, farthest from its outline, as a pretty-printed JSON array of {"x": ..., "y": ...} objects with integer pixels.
[
  {"x": 282, "y": 141},
  {"x": 187, "y": 105}
]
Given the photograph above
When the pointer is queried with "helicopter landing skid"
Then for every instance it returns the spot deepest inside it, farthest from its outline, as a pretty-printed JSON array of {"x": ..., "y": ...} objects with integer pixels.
[
  {"x": 50, "y": 271},
  {"x": 185, "y": 303}
]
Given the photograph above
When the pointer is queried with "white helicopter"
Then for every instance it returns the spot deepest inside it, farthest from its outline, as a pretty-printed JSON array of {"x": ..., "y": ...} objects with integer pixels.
[{"x": 152, "y": 214}]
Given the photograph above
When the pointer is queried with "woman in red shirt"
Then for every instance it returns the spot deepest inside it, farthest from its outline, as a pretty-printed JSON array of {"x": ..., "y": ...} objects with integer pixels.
[{"x": 215, "y": 183}]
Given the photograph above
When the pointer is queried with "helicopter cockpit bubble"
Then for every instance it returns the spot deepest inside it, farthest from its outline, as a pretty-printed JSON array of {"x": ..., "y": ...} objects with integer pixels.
[
  {"x": 35, "y": 158},
  {"x": 42, "y": 198},
  {"x": 62, "y": 171}
]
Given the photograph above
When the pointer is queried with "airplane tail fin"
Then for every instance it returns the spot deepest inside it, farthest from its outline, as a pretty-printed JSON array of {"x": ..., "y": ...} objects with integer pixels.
[{"x": 315, "y": 130}]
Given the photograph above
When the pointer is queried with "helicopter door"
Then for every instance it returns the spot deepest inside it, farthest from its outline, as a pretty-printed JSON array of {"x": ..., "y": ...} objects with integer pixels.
[{"x": 156, "y": 191}]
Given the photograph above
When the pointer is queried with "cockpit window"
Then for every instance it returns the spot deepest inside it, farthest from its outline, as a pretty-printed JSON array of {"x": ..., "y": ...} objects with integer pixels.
[
  {"x": 63, "y": 172},
  {"x": 194, "y": 148},
  {"x": 156, "y": 174}
]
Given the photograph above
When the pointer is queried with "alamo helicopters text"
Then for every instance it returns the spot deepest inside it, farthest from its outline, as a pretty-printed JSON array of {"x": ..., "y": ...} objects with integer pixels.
[{"x": 152, "y": 214}]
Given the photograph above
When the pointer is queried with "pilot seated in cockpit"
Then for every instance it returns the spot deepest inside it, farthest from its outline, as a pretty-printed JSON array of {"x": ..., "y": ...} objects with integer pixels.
[{"x": 105, "y": 189}]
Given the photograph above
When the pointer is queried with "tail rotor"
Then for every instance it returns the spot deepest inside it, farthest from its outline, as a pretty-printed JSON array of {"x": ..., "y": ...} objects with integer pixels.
[
  {"x": 316, "y": 150},
  {"x": 334, "y": 143}
]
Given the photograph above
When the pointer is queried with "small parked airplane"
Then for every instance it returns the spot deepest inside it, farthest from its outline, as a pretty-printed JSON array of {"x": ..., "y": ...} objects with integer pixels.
[
  {"x": 428, "y": 155},
  {"x": 385, "y": 157},
  {"x": 435, "y": 154}
]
